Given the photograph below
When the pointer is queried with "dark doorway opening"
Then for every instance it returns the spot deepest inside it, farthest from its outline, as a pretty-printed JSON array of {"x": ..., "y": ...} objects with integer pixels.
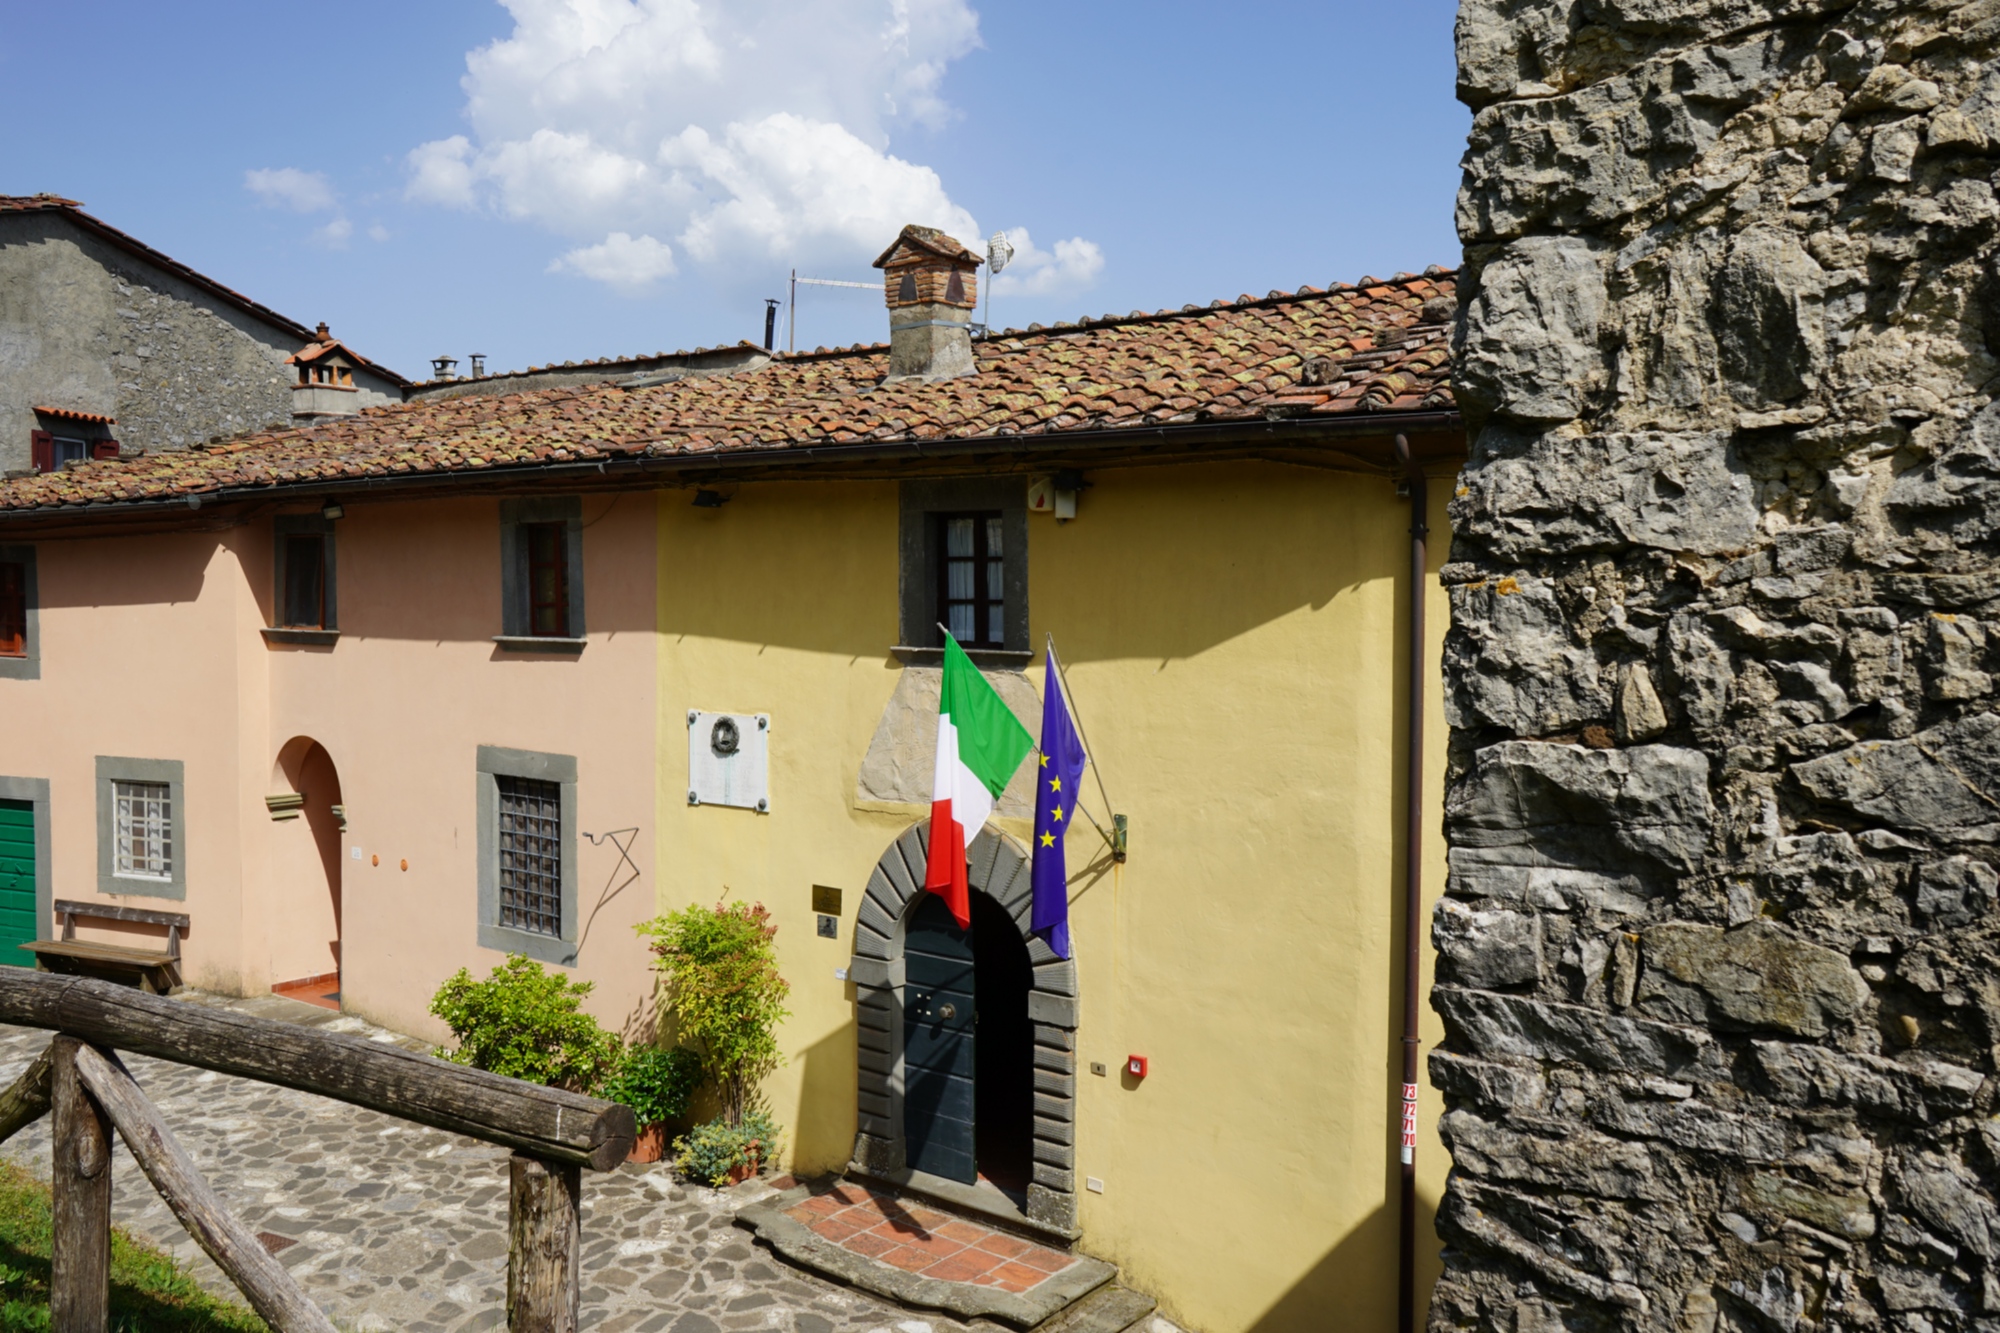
[{"x": 1004, "y": 1082}]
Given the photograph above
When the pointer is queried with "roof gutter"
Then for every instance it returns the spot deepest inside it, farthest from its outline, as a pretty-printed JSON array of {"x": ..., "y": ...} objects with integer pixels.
[{"x": 1170, "y": 443}]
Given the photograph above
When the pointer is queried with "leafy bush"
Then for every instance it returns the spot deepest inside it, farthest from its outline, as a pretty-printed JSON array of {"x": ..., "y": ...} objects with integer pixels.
[
  {"x": 527, "y": 1024},
  {"x": 656, "y": 1084},
  {"x": 715, "y": 1149},
  {"x": 723, "y": 987}
]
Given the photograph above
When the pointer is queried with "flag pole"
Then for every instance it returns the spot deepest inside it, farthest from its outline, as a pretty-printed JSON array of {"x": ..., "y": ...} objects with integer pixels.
[{"x": 1089, "y": 750}]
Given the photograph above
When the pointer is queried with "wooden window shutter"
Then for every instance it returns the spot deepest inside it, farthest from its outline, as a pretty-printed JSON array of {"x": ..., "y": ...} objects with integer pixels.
[
  {"x": 42, "y": 451},
  {"x": 104, "y": 448}
]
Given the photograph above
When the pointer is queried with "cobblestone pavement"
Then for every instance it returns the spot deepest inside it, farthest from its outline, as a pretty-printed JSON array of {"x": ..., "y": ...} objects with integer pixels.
[{"x": 399, "y": 1227}]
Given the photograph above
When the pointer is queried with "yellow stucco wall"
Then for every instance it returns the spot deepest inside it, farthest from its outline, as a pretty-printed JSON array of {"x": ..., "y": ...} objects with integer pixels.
[{"x": 1231, "y": 635}]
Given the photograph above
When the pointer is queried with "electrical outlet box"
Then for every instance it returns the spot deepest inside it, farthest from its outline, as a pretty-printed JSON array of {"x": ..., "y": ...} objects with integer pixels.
[
  {"x": 1093, "y": 1184},
  {"x": 1097, "y": 1068}
]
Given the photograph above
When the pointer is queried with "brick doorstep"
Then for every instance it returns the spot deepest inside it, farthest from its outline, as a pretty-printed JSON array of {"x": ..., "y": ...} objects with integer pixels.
[{"x": 931, "y": 1257}]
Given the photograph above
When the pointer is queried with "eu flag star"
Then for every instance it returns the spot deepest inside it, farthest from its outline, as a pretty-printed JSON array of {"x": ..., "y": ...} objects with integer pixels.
[
  {"x": 1045, "y": 761},
  {"x": 1048, "y": 840},
  {"x": 1056, "y": 814},
  {"x": 1055, "y": 784}
]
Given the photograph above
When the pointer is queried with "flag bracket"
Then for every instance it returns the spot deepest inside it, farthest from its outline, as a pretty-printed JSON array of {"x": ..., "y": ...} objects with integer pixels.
[{"x": 1118, "y": 839}]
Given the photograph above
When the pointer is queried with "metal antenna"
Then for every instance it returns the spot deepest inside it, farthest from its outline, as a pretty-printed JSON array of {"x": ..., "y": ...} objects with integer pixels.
[{"x": 798, "y": 282}]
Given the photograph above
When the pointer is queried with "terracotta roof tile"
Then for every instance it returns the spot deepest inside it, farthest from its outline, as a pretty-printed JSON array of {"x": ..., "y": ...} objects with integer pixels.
[{"x": 1219, "y": 362}]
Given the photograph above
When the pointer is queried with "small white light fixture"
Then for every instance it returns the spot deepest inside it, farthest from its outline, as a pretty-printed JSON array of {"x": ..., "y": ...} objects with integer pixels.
[{"x": 331, "y": 511}]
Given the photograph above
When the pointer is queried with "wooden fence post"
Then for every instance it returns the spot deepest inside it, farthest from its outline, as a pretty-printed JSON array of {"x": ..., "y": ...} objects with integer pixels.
[
  {"x": 80, "y": 1258},
  {"x": 545, "y": 1238}
]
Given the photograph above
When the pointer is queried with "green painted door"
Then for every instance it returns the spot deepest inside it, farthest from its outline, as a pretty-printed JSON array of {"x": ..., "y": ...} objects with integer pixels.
[{"x": 18, "y": 920}]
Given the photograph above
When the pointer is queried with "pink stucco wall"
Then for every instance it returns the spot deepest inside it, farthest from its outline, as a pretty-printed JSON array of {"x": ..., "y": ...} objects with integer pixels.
[{"x": 150, "y": 649}]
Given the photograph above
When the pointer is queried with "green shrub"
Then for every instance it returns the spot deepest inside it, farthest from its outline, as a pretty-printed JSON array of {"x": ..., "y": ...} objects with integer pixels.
[
  {"x": 527, "y": 1024},
  {"x": 656, "y": 1084},
  {"x": 711, "y": 1151},
  {"x": 724, "y": 989}
]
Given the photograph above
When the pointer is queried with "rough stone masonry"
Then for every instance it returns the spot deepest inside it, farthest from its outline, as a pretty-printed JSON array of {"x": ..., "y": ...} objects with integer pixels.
[{"x": 1720, "y": 953}]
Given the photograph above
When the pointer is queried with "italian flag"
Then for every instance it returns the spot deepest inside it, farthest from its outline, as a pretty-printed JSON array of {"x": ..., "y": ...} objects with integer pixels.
[{"x": 979, "y": 745}]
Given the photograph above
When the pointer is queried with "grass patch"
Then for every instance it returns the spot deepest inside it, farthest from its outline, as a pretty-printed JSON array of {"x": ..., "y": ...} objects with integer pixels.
[{"x": 150, "y": 1293}]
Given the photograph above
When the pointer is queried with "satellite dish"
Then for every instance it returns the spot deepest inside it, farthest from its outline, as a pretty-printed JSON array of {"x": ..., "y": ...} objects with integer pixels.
[{"x": 999, "y": 251}]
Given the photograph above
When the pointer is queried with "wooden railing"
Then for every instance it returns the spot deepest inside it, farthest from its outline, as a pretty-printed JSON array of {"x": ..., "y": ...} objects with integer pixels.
[{"x": 81, "y": 1080}]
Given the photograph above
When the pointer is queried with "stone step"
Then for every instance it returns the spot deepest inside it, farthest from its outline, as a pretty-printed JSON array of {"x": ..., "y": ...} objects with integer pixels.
[{"x": 1109, "y": 1309}]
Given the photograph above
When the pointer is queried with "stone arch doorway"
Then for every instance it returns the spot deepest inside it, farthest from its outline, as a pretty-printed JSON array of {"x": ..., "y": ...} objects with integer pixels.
[
  {"x": 998, "y": 870},
  {"x": 303, "y": 902}
]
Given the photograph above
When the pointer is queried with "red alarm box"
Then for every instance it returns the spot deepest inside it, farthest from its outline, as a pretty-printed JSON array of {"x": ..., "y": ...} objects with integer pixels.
[{"x": 1135, "y": 1065}]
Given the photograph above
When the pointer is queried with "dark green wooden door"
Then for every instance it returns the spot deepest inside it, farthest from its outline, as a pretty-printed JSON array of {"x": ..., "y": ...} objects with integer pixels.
[
  {"x": 938, "y": 1057},
  {"x": 18, "y": 920}
]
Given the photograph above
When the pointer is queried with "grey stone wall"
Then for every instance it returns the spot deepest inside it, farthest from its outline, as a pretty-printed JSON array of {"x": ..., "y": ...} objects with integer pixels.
[
  {"x": 1719, "y": 961},
  {"x": 88, "y": 326}
]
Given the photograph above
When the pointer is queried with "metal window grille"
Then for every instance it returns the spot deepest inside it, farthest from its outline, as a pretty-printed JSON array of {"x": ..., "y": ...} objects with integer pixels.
[
  {"x": 144, "y": 830},
  {"x": 531, "y": 855},
  {"x": 971, "y": 600},
  {"x": 13, "y": 609}
]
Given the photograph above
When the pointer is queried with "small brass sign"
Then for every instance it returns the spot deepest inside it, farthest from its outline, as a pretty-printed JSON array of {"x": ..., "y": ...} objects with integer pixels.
[{"x": 826, "y": 899}]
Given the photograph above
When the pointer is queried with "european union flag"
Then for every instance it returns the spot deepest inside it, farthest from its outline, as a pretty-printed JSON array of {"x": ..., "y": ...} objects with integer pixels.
[{"x": 1055, "y": 805}]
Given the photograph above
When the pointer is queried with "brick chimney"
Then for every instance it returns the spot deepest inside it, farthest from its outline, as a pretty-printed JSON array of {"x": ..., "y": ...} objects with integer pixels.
[{"x": 931, "y": 284}]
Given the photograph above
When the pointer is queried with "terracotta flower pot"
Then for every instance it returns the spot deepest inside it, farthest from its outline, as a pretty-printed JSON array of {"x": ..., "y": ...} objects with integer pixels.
[
  {"x": 743, "y": 1171},
  {"x": 650, "y": 1145}
]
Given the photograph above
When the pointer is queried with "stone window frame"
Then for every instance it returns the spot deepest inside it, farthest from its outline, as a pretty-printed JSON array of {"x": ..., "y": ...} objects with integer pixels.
[
  {"x": 28, "y": 666},
  {"x": 919, "y": 561},
  {"x": 35, "y": 791},
  {"x": 113, "y": 769},
  {"x": 515, "y": 631},
  {"x": 494, "y": 762},
  {"x": 302, "y": 525},
  {"x": 998, "y": 867}
]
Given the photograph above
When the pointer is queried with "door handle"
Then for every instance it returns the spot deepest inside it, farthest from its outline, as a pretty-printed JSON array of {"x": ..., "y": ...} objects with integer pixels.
[{"x": 947, "y": 1010}]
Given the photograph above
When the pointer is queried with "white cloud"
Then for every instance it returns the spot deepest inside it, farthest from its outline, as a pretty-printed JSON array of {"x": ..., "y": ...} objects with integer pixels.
[
  {"x": 378, "y": 232},
  {"x": 288, "y": 187},
  {"x": 1071, "y": 267},
  {"x": 335, "y": 234},
  {"x": 745, "y": 132},
  {"x": 621, "y": 260},
  {"x": 790, "y": 185},
  {"x": 441, "y": 172}
]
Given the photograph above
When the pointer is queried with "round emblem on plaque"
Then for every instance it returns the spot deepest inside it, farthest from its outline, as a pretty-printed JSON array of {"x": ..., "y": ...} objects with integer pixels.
[{"x": 723, "y": 738}]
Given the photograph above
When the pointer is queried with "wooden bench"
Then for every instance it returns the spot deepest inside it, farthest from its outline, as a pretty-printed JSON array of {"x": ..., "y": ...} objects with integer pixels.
[{"x": 152, "y": 970}]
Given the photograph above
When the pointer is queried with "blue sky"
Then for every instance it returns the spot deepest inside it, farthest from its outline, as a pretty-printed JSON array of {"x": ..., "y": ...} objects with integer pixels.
[{"x": 548, "y": 180}]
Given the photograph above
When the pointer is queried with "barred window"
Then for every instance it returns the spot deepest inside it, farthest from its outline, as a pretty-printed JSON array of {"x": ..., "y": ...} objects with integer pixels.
[
  {"x": 144, "y": 827},
  {"x": 531, "y": 855}
]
